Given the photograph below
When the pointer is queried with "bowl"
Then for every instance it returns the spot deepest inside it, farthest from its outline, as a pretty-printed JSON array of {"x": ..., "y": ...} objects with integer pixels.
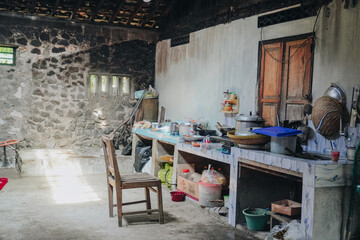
[{"x": 257, "y": 139}]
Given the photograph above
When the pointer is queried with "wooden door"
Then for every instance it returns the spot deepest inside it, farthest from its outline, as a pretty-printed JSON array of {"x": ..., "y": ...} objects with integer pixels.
[
  {"x": 270, "y": 82},
  {"x": 296, "y": 83}
]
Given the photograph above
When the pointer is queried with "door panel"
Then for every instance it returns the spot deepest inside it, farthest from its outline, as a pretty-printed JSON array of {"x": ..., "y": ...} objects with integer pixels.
[
  {"x": 294, "y": 111},
  {"x": 296, "y": 85},
  {"x": 269, "y": 114},
  {"x": 270, "y": 81}
]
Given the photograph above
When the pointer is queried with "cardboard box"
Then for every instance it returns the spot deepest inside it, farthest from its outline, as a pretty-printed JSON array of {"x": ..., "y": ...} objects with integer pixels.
[
  {"x": 286, "y": 207},
  {"x": 189, "y": 187}
]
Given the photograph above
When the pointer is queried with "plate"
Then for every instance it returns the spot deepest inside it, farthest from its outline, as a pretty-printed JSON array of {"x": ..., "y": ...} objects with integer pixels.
[{"x": 193, "y": 138}]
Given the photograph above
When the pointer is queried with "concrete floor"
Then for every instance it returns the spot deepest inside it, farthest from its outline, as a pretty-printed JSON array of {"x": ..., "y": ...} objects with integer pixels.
[{"x": 75, "y": 207}]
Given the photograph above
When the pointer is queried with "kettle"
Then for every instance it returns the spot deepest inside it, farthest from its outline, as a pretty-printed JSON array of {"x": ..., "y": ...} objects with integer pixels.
[{"x": 174, "y": 128}]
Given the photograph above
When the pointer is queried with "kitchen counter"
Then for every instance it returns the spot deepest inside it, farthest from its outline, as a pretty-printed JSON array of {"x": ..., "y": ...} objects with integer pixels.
[
  {"x": 323, "y": 185},
  {"x": 323, "y": 182}
]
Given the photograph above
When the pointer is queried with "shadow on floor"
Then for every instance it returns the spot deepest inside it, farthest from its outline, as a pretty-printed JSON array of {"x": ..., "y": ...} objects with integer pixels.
[{"x": 147, "y": 219}]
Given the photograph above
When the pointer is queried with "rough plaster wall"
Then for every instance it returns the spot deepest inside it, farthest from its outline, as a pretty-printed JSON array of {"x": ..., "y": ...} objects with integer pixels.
[
  {"x": 192, "y": 77},
  {"x": 44, "y": 97}
]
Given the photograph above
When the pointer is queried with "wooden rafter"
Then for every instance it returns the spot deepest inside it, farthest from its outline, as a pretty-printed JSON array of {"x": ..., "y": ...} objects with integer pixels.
[
  {"x": 55, "y": 7},
  {"x": 118, "y": 8},
  {"x": 32, "y": 7},
  {"x": 137, "y": 9},
  {"x": 10, "y": 5},
  {"x": 165, "y": 12},
  {"x": 96, "y": 10},
  {"x": 151, "y": 13},
  {"x": 76, "y": 8}
]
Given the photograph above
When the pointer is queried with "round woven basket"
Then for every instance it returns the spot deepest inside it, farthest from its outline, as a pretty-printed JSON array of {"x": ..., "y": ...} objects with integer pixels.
[
  {"x": 257, "y": 139},
  {"x": 329, "y": 109}
]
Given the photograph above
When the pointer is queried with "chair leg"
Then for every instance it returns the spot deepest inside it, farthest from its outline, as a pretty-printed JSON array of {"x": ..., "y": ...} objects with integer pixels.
[
  {"x": 147, "y": 198},
  {"x": 160, "y": 204},
  {"x": 111, "y": 200},
  {"x": 119, "y": 206}
]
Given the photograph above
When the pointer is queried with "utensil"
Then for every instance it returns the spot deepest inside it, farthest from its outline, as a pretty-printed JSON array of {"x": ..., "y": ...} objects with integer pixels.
[{"x": 335, "y": 91}]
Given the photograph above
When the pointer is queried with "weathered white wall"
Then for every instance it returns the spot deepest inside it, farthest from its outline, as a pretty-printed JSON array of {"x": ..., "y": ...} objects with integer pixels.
[{"x": 191, "y": 78}]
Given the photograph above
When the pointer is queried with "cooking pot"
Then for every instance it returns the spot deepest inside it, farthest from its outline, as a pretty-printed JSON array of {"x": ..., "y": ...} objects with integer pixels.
[
  {"x": 188, "y": 129},
  {"x": 248, "y": 121}
]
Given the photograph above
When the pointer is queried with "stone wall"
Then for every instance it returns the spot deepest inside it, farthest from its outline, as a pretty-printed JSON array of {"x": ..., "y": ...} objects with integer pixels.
[{"x": 45, "y": 100}]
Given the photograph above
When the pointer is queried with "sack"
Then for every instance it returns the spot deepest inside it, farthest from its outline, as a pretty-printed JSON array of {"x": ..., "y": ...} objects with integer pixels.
[
  {"x": 142, "y": 156},
  {"x": 212, "y": 176}
]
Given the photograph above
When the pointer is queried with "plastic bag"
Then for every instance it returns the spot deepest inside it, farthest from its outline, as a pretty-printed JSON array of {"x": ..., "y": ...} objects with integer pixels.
[
  {"x": 142, "y": 156},
  {"x": 288, "y": 231},
  {"x": 152, "y": 92},
  {"x": 213, "y": 176}
]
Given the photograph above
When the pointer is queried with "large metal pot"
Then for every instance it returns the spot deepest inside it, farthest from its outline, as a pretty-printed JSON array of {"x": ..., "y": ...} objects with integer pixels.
[{"x": 248, "y": 121}]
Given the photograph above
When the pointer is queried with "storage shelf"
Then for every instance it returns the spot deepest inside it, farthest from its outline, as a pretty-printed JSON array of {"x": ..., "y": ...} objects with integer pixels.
[
  {"x": 234, "y": 104},
  {"x": 229, "y": 111}
]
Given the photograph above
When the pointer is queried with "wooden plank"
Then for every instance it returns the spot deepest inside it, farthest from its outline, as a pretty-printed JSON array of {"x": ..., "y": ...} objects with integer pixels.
[
  {"x": 165, "y": 12},
  {"x": 10, "y": 5},
  {"x": 270, "y": 82},
  {"x": 140, "y": 212},
  {"x": 76, "y": 8},
  {"x": 296, "y": 88},
  {"x": 135, "y": 202},
  {"x": 32, "y": 7},
  {"x": 96, "y": 10},
  {"x": 267, "y": 168},
  {"x": 56, "y": 5},
  {"x": 151, "y": 13},
  {"x": 136, "y": 10},
  {"x": 116, "y": 12}
]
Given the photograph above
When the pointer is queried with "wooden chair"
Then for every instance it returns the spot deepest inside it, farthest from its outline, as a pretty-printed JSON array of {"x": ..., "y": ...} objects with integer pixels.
[{"x": 134, "y": 180}]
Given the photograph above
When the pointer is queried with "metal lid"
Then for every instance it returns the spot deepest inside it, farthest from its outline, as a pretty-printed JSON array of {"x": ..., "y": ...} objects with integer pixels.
[{"x": 248, "y": 118}]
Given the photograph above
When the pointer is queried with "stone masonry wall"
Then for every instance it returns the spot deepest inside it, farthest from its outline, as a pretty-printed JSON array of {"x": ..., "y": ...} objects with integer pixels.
[{"x": 44, "y": 97}]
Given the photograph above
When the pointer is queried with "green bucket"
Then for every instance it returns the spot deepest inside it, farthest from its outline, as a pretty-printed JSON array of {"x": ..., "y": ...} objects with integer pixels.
[{"x": 256, "y": 218}]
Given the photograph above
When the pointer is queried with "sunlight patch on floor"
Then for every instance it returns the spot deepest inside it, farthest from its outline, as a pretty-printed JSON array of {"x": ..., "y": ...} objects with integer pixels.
[
  {"x": 71, "y": 189},
  {"x": 65, "y": 179}
]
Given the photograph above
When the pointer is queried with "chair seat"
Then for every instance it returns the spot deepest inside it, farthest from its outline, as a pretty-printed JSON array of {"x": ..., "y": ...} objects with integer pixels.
[
  {"x": 138, "y": 177},
  {"x": 139, "y": 180}
]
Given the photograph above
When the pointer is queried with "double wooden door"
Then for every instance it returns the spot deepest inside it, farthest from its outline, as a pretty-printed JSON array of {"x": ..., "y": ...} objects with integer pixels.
[{"x": 285, "y": 79}]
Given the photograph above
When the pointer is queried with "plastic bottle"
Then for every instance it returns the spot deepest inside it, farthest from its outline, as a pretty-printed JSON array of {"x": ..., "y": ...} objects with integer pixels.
[{"x": 185, "y": 173}]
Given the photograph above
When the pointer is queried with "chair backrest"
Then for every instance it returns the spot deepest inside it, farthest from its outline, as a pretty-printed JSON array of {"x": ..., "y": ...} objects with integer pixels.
[{"x": 111, "y": 165}]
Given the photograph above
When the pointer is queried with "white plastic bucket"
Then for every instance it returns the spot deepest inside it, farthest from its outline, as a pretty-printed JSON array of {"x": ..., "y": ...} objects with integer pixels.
[
  {"x": 278, "y": 144},
  {"x": 209, "y": 192}
]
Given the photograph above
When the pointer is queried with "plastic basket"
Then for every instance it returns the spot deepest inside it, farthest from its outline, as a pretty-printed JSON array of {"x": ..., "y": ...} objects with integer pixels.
[
  {"x": 3, "y": 182},
  {"x": 177, "y": 196}
]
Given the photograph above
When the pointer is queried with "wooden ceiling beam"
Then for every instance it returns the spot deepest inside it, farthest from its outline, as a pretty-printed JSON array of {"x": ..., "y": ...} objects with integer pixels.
[
  {"x": 165, "y": 12},
  {"x": 118, "y": 8},
  {"x": 10, "y": 5},
  {"x": 153, "y": 10},
  {"x": 137, "y": 9},
  {"x": 76, "y": 8},
  {"x": 96, "y": 10},
  {"x": 56, "y": 5},
  {"x": 32, "y": 6}
]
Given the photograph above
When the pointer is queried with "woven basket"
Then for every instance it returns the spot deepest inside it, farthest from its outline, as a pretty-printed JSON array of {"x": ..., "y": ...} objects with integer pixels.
[
  {"x": 331, "y": 124},
  {"x": 257, "y": 139}
]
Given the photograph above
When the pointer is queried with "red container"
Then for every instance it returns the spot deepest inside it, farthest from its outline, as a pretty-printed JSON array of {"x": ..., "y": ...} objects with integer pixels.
[
  {"x": 335, "y": 156},
  {"x": 177, "y": 196},
  {"x": 3, "y": 181}
]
